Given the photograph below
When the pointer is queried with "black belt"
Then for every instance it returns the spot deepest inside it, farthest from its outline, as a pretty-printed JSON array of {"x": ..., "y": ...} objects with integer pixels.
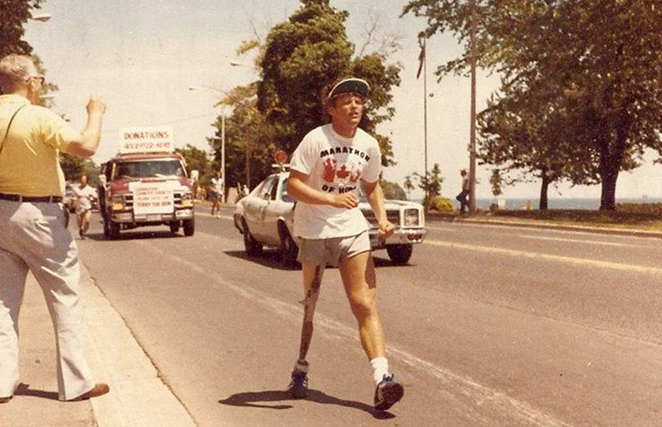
[{"x": 26, "y": 199}]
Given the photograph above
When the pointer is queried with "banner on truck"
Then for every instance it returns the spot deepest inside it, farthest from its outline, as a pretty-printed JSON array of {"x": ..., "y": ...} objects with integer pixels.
[{"x": 153, "y": 139}]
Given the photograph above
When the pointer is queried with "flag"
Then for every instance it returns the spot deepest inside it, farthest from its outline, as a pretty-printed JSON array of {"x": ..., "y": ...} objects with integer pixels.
[{"x": 421, "y": 60}]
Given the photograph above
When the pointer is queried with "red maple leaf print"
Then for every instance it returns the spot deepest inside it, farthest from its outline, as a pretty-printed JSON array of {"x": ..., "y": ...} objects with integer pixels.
[{"x": 329, "y": 171}]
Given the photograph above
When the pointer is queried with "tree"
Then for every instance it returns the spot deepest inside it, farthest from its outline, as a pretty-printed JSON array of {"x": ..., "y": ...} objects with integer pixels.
[
  {"x": 307, "y": 53},
  {"x": 598, "y": 60},
  {"x": 195, "y": 159},
  {"x": 74, "y": 167},
  {"x": 409, "y": 185},
  {"x": 430, "y": 183},
  {"x": 15, "y": 13},
  {"x": 392, "y": 190}
]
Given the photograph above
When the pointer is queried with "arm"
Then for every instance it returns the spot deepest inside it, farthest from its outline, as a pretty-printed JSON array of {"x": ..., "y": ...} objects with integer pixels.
[
  {"x": 86, "y": 144},
  {"x": 301, "y": 191},
  {"x": 375, "y": 196}
]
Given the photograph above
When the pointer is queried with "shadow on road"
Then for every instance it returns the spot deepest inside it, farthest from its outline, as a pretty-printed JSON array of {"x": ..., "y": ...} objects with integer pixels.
[
  {"x": 259, "y": 399},
  {"x": 271, "y": 258},
  {"x": 24, "y": 390},
  {"x": 128, "y": 235}
]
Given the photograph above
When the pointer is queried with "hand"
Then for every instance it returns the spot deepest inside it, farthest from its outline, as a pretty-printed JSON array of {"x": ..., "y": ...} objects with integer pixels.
[
  {"x": 96, "y": 105},
  {"x": 345, "y": 200},
  {"x": 386, "y": 229}
]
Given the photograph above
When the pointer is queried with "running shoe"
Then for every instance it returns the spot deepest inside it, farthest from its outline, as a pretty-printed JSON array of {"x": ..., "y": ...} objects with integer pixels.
[
  {"x": 388, "y": 393},
  {"x": 298, "y": 388}
]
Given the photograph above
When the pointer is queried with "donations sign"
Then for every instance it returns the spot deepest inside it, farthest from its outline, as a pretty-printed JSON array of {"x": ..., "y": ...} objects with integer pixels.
[
  {"x": 152, "y": 198},
  {"x": 155, "y": 139}
]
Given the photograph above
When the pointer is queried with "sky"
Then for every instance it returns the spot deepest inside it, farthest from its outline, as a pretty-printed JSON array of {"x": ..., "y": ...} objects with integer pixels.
[{"x": 143, "y": 58}]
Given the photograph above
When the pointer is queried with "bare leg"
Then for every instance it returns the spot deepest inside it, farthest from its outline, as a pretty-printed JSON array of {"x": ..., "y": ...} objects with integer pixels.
[
  {"x": 358, "y": 276},
  {"x": 312, "y": 278}
]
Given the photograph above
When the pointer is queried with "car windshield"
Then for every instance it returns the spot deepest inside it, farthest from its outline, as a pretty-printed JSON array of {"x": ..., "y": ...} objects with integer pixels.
[
  {"x": 149, "y": 169},
  {"x": 284, "y": 195}
]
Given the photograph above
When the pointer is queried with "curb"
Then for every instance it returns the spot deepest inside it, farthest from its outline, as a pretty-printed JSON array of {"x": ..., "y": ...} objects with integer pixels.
[{"x": 138, "y": 396}]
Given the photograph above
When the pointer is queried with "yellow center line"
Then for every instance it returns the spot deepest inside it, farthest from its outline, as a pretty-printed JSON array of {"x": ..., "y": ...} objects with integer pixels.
[{"x": 548, "y": 257}]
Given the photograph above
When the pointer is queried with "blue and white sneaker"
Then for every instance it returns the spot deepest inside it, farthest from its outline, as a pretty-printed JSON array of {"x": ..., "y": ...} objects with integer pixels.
[
  {"x": 388, "y": 393},
  {"x": 298, "y": 388}
]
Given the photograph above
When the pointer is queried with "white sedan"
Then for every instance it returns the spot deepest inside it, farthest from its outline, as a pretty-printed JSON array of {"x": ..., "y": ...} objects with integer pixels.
[{"x": 266, "y": 217}]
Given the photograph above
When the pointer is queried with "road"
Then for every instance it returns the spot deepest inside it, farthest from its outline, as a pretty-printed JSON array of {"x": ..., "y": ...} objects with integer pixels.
[{"x": 487, "y": 326}]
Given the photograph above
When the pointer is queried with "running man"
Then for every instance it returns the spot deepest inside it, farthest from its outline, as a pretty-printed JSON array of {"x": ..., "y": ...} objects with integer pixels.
[
  {"x": 84, "y": 195},
  {"x": 217, "y": 190},
  {"x": 326, "y": 170}
]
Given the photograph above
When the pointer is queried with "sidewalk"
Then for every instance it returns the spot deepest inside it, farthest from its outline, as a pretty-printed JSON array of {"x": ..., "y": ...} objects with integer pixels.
[{"x": 137, "y": 397}]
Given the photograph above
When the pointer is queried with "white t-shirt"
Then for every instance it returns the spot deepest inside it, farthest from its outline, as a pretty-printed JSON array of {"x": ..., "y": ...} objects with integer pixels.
[
  {"x": 217, "y": 185},
  {"x": 334, "y": 164},
  {"x": 83, "y": 195}
]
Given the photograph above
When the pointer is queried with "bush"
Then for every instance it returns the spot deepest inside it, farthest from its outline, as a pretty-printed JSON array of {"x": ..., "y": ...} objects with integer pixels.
[
  {"x": 439, "y": 204},
  {"x": 640, "y": 208}
]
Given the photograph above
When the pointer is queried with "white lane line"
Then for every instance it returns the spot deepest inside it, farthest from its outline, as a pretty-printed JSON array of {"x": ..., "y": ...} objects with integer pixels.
[
  {"x": 490, "y": 404},
  {"x": 588, "y": 242},
  {"x": 549, "y": 257}
]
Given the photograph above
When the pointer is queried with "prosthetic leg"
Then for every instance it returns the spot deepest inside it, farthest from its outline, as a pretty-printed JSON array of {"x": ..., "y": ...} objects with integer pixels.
[{"x": 299, "y": 386}]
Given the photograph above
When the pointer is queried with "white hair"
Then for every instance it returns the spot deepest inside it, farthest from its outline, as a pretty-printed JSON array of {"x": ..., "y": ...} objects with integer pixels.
[{"x": 14, "y": 70}]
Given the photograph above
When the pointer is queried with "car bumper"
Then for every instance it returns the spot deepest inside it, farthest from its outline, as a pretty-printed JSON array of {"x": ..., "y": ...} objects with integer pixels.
[
  {"x": 130, "y": 218},
  {"x": 407, "y": 236}
]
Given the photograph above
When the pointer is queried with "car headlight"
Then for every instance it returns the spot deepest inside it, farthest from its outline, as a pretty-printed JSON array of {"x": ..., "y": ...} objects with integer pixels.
[
  {"x": 118, "y": 202},
  {"x": 411, "y": 218},
  {"x": 187, "y": 200}
]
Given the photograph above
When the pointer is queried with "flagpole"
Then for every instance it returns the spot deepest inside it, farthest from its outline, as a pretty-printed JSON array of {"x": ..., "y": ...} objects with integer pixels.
[{"x": 425, "y": 109}]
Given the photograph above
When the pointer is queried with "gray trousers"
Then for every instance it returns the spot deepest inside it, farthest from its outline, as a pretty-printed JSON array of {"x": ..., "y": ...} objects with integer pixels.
[{"x": 33, "y": 238}]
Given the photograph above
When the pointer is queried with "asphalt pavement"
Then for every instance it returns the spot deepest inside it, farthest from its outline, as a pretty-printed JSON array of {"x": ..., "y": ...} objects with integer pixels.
[{"x": 138, "y": 395}]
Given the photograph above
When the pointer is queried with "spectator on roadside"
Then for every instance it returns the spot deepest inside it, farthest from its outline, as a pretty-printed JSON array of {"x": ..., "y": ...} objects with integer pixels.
[
  {"x": 217, "y": 189},
  {"x": 84, "y": 195},
  {"x": 33, "y": 237},
  {"x": 462, "y": 197}
]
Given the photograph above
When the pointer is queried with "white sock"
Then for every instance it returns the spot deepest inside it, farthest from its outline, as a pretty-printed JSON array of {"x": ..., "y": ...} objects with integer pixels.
[
  {"x": 301, "y": 366},
  {"x": 379, "y": 368}
]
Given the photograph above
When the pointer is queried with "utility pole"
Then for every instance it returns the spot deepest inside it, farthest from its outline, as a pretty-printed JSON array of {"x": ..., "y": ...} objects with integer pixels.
[{"x": 472, "y": 128}]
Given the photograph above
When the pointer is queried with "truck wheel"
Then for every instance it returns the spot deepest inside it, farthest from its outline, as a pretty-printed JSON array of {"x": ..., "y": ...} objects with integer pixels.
[
  {"x": 252, "y": 246},
  {"x": 400, "y": 254},
  {"x": 113, "y": 230},
  {"x": 189, "y": 227},
  {"x": 288, "y": 247},
  {"x": 174, "y": 227}
]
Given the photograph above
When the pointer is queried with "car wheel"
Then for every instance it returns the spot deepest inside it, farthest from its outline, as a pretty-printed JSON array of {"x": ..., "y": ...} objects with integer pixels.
[
  {"x": 252, "y": 246},
  {"x": 189, "y": 227},
  {"x": 174, "y": 227},
  {"x": 400, "y": 254},
  {"x": 113, "y": 230},
  {"x": 288, "y": 247}
]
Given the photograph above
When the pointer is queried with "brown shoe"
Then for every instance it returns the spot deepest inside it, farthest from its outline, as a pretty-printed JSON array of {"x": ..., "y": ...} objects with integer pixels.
[
  {"x": 98, "y": 390},
  {"x": 6, "y": 399}
]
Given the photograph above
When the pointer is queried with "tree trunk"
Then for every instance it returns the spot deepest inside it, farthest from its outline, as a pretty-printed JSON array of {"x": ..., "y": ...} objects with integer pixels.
[
  {"x": 543, "y": 190},
  {"x": 608, "y": 196}
]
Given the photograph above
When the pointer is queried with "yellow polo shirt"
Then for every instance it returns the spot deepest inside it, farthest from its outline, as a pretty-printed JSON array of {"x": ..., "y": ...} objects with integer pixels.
[{"x": 29, "y": 164}]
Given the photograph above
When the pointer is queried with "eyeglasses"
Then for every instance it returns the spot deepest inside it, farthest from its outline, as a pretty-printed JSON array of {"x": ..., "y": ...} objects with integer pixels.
[{"x": 41, "y": 79}]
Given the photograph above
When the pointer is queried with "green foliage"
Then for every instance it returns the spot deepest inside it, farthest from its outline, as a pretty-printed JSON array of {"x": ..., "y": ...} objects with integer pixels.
[
  {"x": 430, "y": 183},
  {"x": 440, "y": 205},
  {"x": 195, "y": 159},
  {"x": 496, "y": 182},
  {"x": 74, "y": 167},
  {"x": 15, "y": 13},
  {"x": 301, "y": 57},
  {"x": 392, "y": 190},
  {"x": 580, "y": 95}
]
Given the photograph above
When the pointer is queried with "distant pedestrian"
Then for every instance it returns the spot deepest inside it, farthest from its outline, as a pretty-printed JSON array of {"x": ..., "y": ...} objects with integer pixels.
[
  {"x": 245, "y": 190},
  {"x": 217, "y": 189},
  {"x": 328, "y": 168},
  {"x": 462, "y": 197},
  {"x": 84, "y": 195},
  {"x": 33, "y": 236}
]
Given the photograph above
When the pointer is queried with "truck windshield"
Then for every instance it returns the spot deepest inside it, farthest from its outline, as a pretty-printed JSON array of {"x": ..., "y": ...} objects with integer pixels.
[{"x": 149, "y": 169}]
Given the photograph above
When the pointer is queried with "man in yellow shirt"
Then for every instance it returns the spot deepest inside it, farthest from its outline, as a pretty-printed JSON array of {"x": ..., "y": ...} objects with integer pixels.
[{"x": 33, "y": 236}]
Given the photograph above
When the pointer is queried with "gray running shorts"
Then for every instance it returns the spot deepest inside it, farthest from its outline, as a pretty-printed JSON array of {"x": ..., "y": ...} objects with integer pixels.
[{"x": 330, "y": 251}]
